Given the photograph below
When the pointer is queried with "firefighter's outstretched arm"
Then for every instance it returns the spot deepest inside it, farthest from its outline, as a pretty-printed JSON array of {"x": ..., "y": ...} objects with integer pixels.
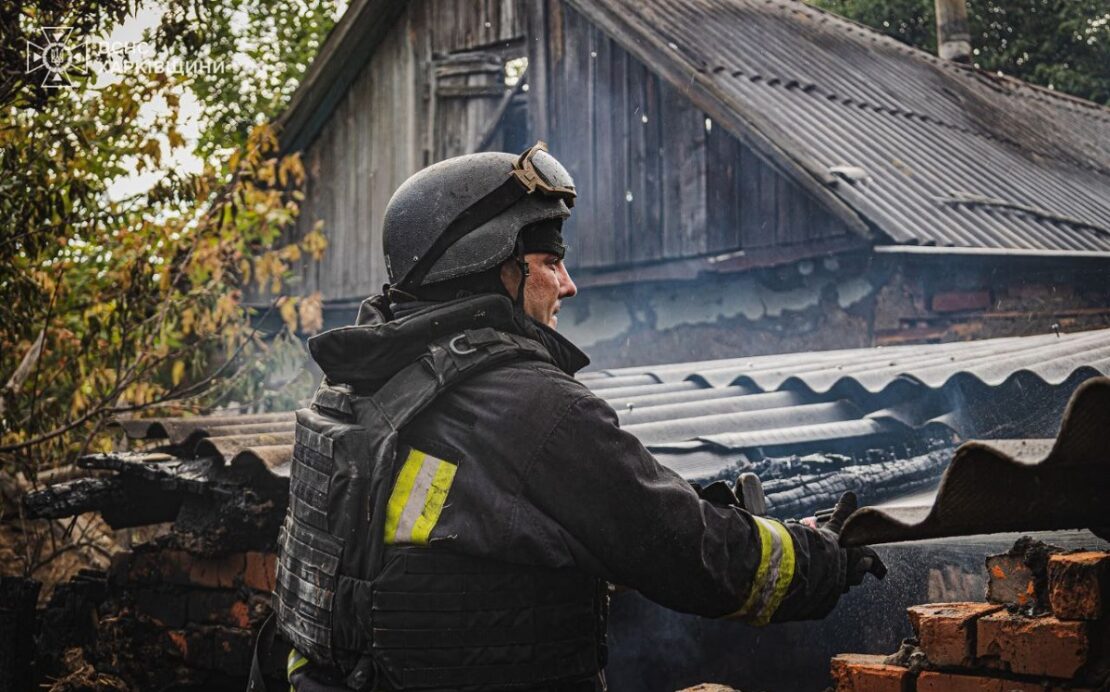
[{"x": 624, "y": 516}]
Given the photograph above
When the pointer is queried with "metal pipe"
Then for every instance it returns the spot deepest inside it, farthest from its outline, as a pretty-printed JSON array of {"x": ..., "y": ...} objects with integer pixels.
[{"x": 953, "y": 31}]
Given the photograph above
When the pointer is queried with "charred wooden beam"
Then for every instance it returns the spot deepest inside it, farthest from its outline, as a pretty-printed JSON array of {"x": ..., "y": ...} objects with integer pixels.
[{"x": 74, "y": 497}]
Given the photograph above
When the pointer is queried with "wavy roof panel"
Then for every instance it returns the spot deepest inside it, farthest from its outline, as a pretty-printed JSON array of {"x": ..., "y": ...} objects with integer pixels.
[
  {"x": 950, "y": 155},
  {"x": 881, "y": 421},
  {"x": 1016, "y": 485},
  {"x": 706, "y": 417}
]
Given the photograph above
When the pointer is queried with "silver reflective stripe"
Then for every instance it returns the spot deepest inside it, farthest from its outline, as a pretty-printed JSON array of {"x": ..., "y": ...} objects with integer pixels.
[
  {"x": 415, "y": 505},
  {"x": 773, "y": 574}
]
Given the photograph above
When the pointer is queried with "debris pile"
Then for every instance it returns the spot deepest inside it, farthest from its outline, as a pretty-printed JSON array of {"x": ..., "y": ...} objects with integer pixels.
[
  {"x": 1044, "y": 626},
  {"x": 180, "y": 610}
]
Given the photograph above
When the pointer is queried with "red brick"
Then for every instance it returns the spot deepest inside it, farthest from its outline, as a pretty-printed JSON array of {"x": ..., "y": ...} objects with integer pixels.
[
  {"x": 1033, "y": 645},
  {"x": 865, "y": 673},
  {"x": 162, "y": 567},
  {"x": 958, "y": 301},
  {"x": 261, "y": 571},
  {"x": 946, "y": 631},
  {"x": 217, "y": 573},
  {"x": 1010, "y": 580},
  {"x": 1079, "y": 585},
  {"x": 935, "y": 681}
]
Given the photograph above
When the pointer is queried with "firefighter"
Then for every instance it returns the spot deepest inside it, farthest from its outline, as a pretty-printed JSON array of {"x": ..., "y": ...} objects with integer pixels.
[{"x": 511, "y": 498}]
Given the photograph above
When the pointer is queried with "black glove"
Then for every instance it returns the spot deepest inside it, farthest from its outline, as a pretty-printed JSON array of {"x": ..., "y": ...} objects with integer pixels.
[
  {"x": 717, "y": 493},
  {"x": 859, "y": 561}
]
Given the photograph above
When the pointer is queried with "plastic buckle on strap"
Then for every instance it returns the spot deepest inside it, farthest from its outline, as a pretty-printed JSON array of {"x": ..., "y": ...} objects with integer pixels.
[
  {"x": 474, "y": 339},
  {"x": 453, "y": 344}
]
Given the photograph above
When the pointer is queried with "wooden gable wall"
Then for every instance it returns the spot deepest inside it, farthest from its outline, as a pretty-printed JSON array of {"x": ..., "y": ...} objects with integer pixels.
[{"x": 655, "y": 182}]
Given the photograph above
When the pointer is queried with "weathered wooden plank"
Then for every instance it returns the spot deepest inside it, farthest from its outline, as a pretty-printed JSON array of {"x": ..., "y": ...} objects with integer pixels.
[
  {"x": 753, "y": 219},
  {"x": 365, "y": 113},
  {"x": 380, "y": 182},
  {"x": 572, "y": 142},
  {"x": 645, "y": 140},
  {"x": 619, "y": 151},
  {"x": 683, "y": 175},
  {"x": 673, "y": 147},
  {"x": 538, "y": 69},
  {"x": 306, "y": 268},
  {"x": 636, "y": 194},
  {"x": 722, "y": 198},
  {"x": 601, "y": 235},
  {"x": 347, "y": 171}
]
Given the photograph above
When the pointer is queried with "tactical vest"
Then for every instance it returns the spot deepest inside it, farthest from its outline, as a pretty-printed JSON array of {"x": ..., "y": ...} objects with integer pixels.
[{"x": 416, "y": 617}]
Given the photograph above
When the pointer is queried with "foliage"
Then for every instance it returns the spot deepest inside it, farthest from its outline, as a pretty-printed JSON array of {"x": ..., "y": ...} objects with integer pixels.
[
  {"x": 21, "y": 22},
  {"x": 1062, "y": 44},
  {"x": 136, "y": 306},
  {"x": 265, "y": 51}
]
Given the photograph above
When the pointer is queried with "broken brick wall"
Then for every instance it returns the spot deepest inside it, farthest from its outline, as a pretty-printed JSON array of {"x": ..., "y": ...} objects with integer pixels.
[
  {"x": 161, "y": 617},
  {"x": 1044, "y": 626}
]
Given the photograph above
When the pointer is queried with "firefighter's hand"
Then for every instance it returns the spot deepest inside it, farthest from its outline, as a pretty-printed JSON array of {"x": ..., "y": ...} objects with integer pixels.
[{"x": 860, "y": 561}]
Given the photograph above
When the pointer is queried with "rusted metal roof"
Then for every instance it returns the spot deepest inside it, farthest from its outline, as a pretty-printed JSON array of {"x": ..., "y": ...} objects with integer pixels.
[
  {"x": 929, "y": 152},
  {"x": 1012, "y": 485}
]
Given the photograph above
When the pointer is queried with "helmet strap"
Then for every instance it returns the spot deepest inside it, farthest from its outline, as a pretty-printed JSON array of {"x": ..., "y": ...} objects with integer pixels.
[{"x": 522, "y": 265}]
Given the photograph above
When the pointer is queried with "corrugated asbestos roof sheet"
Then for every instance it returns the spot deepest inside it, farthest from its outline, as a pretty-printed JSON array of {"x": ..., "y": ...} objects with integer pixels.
[
  {"x": 879, "y": 421},
  {"x": 695, "y": 416},
  {"x": 952, "y": 156},
  {"x": 707, "y": 417},
  {"x": 1013, "y": 485}
]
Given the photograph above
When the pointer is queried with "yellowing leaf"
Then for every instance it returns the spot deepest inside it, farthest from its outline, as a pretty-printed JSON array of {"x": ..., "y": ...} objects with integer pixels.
[
  {"x": 288, "y": 308},
  {"x": 311, "y": 311},
  {"x": 178, "y": 373},
  {"x": 314, "y": 242}
]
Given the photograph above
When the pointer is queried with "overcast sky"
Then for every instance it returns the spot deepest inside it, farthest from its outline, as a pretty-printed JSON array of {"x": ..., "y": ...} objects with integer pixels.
[{"x": 182, "y": 159}]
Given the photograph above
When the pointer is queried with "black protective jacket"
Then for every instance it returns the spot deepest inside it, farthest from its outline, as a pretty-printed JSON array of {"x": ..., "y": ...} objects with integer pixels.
[{"x": 544, "y": 476}]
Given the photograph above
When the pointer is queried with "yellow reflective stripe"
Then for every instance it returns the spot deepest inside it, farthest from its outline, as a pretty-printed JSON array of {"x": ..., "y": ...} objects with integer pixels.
[
  {"x": 765, "y": 540},
  {"x": 418, "y": 498},
  {"x": 433, "y": 503},
  {"x": 783, "y": 578},
  {"x": 400, "y": 495},
  {"x": 296, "y": 662}
]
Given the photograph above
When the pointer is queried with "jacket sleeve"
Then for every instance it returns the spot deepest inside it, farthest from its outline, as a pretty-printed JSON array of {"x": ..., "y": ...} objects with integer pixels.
[{"x": 623, "y": 516}]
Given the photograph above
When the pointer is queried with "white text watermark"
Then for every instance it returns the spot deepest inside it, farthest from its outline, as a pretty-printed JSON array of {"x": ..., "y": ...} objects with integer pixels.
[{"x": 59, "y": 57}]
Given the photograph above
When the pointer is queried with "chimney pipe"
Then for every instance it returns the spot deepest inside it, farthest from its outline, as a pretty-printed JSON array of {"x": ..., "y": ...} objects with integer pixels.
[{"x": 953, "y": 31}]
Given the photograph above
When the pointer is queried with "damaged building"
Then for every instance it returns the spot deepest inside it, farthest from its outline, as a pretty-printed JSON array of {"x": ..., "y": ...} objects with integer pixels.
[
  {"x": 854, "y": 266},
  {"x": 754, "y": 177},
  {"x": 887, "y": 423}
]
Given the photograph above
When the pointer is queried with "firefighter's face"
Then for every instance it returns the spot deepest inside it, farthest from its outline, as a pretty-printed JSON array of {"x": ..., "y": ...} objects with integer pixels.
[{"x": 547, "y": 284}]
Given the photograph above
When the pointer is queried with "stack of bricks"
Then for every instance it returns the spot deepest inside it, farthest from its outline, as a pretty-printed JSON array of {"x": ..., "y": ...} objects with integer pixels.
[
  {"x": 201, "y": 612},
  {"x": 1045, "y": 626},
  {"x": 169, "y": 617}
]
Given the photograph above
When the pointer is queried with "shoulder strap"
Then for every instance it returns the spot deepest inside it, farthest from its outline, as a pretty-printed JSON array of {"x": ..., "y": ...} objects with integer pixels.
[{"x": 448, "y": 362}]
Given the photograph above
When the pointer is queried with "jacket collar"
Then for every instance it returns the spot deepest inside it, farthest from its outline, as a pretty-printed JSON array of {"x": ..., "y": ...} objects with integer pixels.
[{"x": 369, "y": 354}]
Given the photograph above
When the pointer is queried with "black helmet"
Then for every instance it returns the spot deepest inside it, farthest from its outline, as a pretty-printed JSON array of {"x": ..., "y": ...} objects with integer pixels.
[{"x": 462, "y": 216}]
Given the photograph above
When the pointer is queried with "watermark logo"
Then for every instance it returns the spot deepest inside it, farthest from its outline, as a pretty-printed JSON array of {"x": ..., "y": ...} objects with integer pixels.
[
  {"x": 58, "y": 55},
  {"x": 53, "y": 55}
]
